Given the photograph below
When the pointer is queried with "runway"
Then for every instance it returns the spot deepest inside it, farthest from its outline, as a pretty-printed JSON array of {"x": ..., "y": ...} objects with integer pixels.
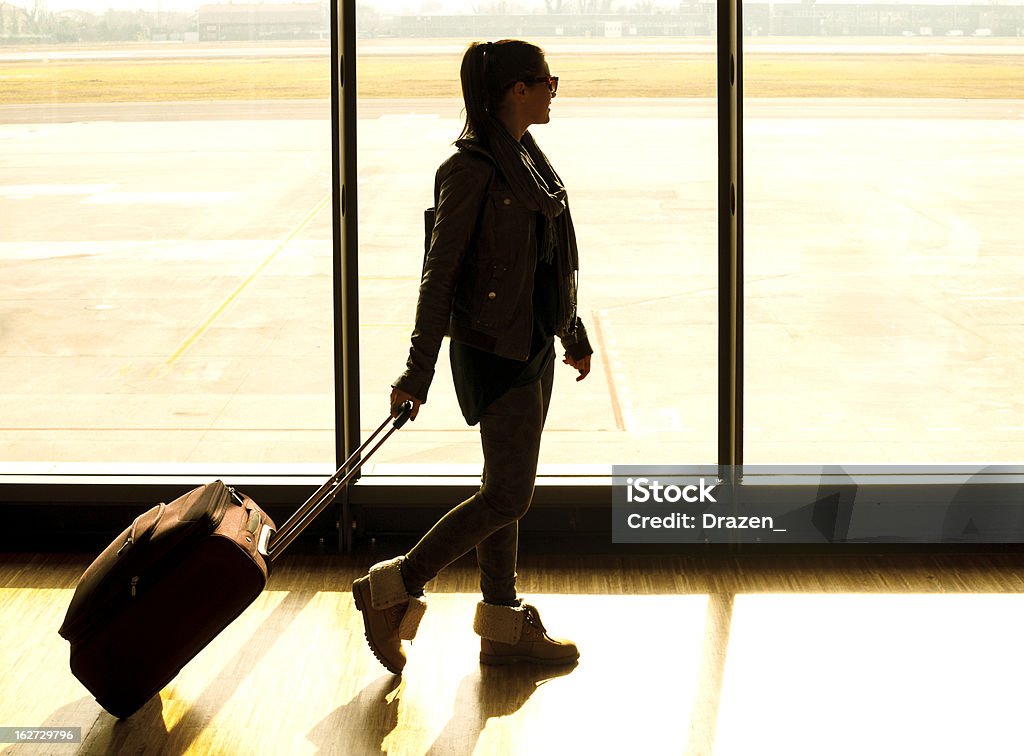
[
  {"x": 574, "y": 107},
  {"x": 882, "y": 320}
]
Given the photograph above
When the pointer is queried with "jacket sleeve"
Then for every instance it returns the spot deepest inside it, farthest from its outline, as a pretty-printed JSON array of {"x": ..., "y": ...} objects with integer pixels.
[
  {"x": 576, "y": 344},
  {"x": 462, "y": 186}
]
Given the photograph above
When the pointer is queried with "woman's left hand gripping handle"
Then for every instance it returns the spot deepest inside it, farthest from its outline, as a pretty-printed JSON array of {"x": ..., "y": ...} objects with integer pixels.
[{"x": 404, "y": 407}]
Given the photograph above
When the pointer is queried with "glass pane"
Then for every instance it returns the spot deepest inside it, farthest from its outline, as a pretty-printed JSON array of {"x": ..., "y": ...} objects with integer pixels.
[
  {"x": 633, "y": 136},
  {"x": 882, "y": 269},
  {"x": 165, "y": 249}
]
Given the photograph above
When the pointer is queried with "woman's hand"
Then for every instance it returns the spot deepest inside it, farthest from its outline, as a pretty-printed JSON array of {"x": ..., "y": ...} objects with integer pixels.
[
  {"x": 398, "y": 398},
  {"x": 582, "y": 364}
]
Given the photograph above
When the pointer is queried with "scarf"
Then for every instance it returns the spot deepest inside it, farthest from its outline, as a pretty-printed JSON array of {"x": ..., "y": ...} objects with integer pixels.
[{"x": 536, "y": 185}]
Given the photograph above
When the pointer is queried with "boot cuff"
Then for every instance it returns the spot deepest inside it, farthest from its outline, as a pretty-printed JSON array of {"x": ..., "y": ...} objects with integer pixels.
[
  {"x": 411, "y": 619},
  {"x": 387, "y": 588},
  {"x": 503, "y": 624}
]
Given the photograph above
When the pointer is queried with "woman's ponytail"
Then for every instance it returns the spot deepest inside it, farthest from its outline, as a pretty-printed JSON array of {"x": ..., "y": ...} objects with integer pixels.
[
  {"x": 488, "y": 69},
  {"x": 475, "y": 91}
]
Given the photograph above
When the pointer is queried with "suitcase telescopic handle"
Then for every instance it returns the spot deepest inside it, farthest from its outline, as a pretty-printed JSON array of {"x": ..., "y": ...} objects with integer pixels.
[{"x": 322, "y": 498}]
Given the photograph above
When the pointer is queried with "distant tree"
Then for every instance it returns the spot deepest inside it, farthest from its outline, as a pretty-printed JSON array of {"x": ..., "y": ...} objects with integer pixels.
[
  {"x": 66, "y": 30},
  {"x": 500, "y": 8},
  {"x": 123, "y": 26},
  {"x": 494, "y": 8}
]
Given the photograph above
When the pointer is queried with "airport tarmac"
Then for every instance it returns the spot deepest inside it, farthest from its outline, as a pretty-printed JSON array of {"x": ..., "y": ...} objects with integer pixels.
[
  {"x": 388, "y": 47},
  {"x": 573, "y": 107},
  {"x": 166, "y": 294}
]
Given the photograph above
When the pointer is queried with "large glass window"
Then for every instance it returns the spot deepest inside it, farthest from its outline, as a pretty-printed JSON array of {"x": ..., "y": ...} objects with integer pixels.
[
  {"x": 882, "y": 171},
  {"x": 165, "y": 244},
  {"x": 633, "y": 135}
]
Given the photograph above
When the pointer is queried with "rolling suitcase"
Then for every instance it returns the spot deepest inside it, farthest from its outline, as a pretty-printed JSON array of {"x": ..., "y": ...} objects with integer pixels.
[{"x": 176, "y": 577}]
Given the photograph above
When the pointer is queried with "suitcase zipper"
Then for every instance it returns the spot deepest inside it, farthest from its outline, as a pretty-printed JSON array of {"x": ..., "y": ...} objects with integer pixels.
[{"x": 135, "y": 582}]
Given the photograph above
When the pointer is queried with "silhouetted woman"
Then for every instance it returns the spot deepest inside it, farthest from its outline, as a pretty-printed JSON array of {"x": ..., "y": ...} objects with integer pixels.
[{"x": 500, "y": 280}]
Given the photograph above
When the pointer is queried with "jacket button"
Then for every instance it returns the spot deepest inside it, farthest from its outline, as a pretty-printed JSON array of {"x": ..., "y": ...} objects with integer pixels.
[
  {"x": 491, "y": 295},
  {"x": 508, "y": 201}
]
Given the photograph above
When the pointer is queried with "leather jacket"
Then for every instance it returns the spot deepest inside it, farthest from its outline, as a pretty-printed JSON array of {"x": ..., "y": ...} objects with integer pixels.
[{"x": 477, "y": 282}]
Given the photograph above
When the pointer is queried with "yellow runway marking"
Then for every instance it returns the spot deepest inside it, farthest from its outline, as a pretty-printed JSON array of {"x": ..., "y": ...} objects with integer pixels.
[{"x": 199, "y": 331}]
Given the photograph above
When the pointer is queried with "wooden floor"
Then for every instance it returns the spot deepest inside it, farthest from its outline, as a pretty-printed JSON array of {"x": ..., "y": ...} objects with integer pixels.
[{"x": 725, "y": 655}]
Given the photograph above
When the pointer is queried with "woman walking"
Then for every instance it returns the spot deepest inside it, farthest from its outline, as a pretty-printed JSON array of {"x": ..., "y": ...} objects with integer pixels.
[{"x": 500, "y": 280}]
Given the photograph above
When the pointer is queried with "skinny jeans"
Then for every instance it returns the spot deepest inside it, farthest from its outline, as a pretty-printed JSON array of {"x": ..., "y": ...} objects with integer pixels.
[{"x": 510, "y": 434}]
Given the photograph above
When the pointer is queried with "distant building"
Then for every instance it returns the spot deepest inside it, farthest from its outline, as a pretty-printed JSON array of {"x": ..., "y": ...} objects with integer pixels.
[
  {"x": 263, "y": 21},
  {"x": 890, "y": 19},
  {"x": 694, "y": 18}
]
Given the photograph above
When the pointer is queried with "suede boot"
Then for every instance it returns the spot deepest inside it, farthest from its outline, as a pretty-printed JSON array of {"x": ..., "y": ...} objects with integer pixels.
[
  {"x": 513, "y": 634},
  {"x": 390, "y": 615}
]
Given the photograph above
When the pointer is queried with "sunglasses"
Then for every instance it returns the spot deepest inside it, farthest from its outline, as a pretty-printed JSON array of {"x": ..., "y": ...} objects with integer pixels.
[{"x": 551, "y": 81}]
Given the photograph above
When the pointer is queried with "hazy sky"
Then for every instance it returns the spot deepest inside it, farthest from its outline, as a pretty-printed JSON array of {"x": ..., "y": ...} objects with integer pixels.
[
  {"x": 418, "y": 6},
  {"x": 384, "y": 6}
]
